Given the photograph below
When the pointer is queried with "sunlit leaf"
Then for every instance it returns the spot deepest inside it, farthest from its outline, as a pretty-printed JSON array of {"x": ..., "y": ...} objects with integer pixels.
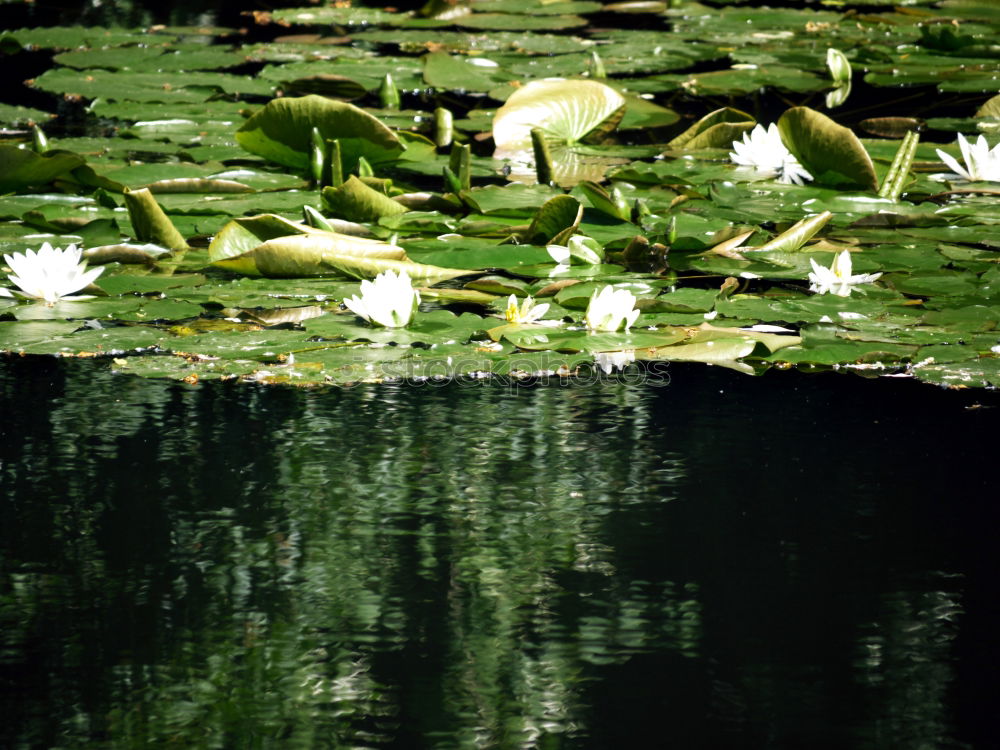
[
  {"x": 20, "y": 168},
  {"x": 281, "y": 132},
  {"x": 567, "y": 112},
  {"x": 823, "y": 146}
]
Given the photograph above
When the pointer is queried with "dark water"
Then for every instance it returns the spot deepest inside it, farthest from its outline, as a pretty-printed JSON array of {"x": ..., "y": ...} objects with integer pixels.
[{"x": 726, "y": 562}]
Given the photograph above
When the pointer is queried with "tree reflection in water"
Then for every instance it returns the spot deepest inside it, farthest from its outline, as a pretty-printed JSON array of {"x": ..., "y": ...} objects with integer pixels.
[{"x": 463, "y": 566}]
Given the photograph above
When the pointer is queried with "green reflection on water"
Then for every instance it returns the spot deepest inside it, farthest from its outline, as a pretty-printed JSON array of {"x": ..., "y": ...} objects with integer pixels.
[
  {"x": 464, "y": 566},
  {"x": 293, "y": 567}
]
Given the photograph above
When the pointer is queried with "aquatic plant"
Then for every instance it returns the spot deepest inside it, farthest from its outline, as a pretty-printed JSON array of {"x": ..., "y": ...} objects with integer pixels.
[
  {"x": 50, "y": 274},
  {"x": 477, "y": 161},
  {"x": 610, "y": 309},
  {"x": 390, "y": 300},
  {"x": 981, "y": 162},
  {"x": 763, "y": 150},
  {"x": 527, "y": 312},
  {"x": 837, "y": 279}
]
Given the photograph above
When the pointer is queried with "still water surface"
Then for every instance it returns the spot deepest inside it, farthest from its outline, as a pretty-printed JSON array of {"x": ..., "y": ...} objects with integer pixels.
[{"x": 719, "y": 561}]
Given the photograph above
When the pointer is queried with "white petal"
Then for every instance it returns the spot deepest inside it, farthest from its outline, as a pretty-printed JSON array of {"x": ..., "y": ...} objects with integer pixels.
[
  {"x": 953, "y": 164},
  {"x": 357, "y": 306}
]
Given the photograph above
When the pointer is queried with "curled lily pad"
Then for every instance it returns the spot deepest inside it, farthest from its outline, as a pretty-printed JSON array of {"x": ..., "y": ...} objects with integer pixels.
[
  {"x": 566, "y": 111},
  {"x": 198, "y": 185},
  {"x": 282, "y": 132},
  {"x": 717, "y": 129},
  {"x": 288, "y": 247},
  {"x": 149, "y": 221},
  {"x": 124, "y": 252},
  {"x": 824, "y": 147},
  {"x": 356, "y": 201},
  {"x": 316, "y": 253},
  {"x": 558, "y": 218},
  {"x": 795, "y": 236}
]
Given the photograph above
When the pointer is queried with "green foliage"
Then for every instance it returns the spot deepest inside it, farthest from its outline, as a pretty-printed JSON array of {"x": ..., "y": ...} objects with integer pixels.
[{"x": 679, "y": 230}]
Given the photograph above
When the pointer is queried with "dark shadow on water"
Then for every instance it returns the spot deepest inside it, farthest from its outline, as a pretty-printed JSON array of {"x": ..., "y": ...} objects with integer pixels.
[{"x": 719, "y": 561}]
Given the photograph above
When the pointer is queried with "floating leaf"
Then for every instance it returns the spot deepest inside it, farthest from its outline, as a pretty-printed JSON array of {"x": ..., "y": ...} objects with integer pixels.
[
  {"x": 537, "y": 338},
  {"x": 566, "y": 111},
  {"x": 444, "y": 71},
  {"x": 717, "y": 129},
  {"x": 282, "y": 132},
  {"x": 823, "y": 146},
  {"x": 355, "y": 201},
  {"x": 149, "y": 221},
  {"x": 21, "y": 168},
  {"x": 557, "y": 216},
  {"x": 795, "y": 236}
]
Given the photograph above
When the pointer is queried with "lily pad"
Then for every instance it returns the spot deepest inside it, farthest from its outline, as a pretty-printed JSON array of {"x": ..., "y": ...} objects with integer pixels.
[
  {"x": 282, "y": 131},
  {"x": 566, "y": 111},
  {"x": 21, "y": 168},
  {"x": 824, "y": 147}
]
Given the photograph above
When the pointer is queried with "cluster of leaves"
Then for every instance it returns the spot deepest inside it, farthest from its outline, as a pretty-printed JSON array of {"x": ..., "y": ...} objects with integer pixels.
[{"x": 707, "y": 251}]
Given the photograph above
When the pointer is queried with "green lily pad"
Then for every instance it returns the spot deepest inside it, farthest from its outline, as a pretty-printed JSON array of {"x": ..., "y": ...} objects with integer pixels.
[
  {"x": 717, "y": 129},
  {"x": 21, "y": 168},
  {"x": 355, "y": 201},
  {"x": 823, "y": 147},
  {"x": 557, "y": 339},
  {"x": 566, "y": 111},
  {"x": 282, "y": 131},
  {"x": 445, "y": 71},
  {"x": 148, "y": 87},
  {"x": 17, "y": 115}
]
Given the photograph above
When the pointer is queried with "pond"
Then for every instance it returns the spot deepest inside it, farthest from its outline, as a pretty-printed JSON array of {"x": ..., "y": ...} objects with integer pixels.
[
  {"x": 243, "y": 504},
  {"x": 706, "y": 561},
  {"x": 786, "y": 187}
]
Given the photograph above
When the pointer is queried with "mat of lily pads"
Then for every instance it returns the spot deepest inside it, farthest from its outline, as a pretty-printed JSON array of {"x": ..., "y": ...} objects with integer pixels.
[{"x": 237, "y": 192}]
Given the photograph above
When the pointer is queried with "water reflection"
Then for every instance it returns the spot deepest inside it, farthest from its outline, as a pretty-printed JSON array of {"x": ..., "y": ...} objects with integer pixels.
[{"x": 572, "y": 566}]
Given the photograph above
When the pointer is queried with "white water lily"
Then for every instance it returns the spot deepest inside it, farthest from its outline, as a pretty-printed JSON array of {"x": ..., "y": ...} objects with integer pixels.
[
  {"x": 390, "y": 300},
  {"x": 527, "y": 312},
  {"x": 50, "y": 274},
  {"x": 763, "y": 149},
  {"x": 610, "y": 308},
  {"x": 981, "y": 163},
  {"x": 611, "y": 361},
  {"x": 837, "y": 279}
]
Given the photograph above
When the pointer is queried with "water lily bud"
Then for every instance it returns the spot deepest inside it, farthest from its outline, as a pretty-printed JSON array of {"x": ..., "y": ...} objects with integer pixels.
[
  {"x": 38, "y": 140},
  {"x": 840, "y": 67},
  {"x": 443, "y": 127},
  {"x": 597, "y": 66},
  {"x": 388, "y": 94},
  {"x": 460, "y": 162},
  {"x": 315, "y": 219},
  {"x": 334, "y": 173},
  {"x": 621, "y": 204},
  {"x": 317, "y": 157}
]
